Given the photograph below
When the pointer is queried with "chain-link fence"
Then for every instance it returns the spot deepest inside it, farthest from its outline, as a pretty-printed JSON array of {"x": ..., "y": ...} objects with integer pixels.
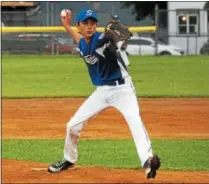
[
  {"x": 44, "y": 14},
  {"x": 179, "y": 31},
  {"x": 38, "y": 43}
]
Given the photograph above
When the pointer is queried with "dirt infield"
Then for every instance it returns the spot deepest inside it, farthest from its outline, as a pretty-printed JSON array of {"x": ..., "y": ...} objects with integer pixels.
[
  {"x": 30, "y": 172},
  {"x": 47, "y": 118}
]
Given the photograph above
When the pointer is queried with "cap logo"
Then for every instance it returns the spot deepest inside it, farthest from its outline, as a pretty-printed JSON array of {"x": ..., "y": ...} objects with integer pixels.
[{"x": 89, "y": 12}]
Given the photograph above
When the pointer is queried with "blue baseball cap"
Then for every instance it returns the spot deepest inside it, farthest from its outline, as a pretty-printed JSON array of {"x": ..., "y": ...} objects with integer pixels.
[{"x": 85, "y": 14}]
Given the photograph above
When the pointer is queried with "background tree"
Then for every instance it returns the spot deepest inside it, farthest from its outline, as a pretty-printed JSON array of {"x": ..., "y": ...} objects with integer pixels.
[{"x": 144, "y": 8}]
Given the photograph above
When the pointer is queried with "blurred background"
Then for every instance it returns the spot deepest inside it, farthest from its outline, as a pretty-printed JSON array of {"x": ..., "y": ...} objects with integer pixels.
[{"x": 182, "y": 27}]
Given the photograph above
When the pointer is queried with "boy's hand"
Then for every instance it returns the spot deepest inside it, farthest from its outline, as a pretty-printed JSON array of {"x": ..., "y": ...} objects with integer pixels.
[{"x": 65, "y": 16}]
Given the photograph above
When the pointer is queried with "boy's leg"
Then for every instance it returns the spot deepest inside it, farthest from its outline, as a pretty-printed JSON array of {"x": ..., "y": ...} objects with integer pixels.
[
  {"x": 127, "y": 104},
  {"x": 93, "y": 105}
]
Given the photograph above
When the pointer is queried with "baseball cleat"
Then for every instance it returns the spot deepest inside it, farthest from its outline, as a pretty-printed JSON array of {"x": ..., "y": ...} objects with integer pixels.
[
  {"x": 151, "y": 166},
  {"x": 60, "y": 165}
]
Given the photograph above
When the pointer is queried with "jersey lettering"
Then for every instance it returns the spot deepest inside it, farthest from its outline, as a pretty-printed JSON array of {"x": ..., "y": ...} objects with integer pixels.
[{"x": 91, "y": 59}]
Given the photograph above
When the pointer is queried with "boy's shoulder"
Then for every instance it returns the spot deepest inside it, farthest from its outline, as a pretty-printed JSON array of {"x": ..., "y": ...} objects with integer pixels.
[
  {"x": 101, "y": 36},
  {"x": 98, "y": 37}
]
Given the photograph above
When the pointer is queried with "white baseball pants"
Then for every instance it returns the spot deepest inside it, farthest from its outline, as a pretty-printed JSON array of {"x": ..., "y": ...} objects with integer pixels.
[{"x": 123, "y": 98}]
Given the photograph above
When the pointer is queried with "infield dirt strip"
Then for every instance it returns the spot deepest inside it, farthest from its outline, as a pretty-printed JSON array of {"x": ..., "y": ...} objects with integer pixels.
[{"x": 47, "y": 118}]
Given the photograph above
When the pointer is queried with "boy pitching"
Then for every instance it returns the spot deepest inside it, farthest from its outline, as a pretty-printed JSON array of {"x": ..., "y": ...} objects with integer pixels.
[{"x": 114, "y": 88}]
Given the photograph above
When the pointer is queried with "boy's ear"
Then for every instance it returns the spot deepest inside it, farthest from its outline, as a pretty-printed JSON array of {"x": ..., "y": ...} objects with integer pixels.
[{"x": 78, "y": 26}]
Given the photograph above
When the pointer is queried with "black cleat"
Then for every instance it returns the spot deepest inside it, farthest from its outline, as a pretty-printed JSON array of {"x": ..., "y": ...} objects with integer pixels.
[
  {"x": 151, "y": 166},
  {"x": 60, "y": 165}
]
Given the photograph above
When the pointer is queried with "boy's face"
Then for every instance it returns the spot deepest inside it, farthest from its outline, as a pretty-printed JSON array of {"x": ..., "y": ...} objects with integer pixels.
[{"x": 88, "y": 27}]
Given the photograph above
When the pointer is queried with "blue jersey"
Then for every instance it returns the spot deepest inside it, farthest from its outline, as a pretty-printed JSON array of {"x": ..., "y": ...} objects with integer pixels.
[{"x": 104, "y": 65}]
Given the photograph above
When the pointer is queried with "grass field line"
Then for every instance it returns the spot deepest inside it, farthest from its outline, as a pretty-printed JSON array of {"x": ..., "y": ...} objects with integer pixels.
[
  {"x": 67, "y": 76},
  {"x": 181, "y": 154}
]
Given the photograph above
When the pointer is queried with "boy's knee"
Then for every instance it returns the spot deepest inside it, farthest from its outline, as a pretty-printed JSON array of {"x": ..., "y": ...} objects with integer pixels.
[
  {"x": 74, "y": 132},
  {"x": 74, "y": 127}
]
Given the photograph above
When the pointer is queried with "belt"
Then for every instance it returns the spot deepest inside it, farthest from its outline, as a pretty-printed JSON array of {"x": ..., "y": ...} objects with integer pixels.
[{"x": 116, "y": 82}]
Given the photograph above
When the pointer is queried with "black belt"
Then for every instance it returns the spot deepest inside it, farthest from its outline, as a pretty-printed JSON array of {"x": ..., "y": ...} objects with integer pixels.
[{"x": 116, "y": 82}]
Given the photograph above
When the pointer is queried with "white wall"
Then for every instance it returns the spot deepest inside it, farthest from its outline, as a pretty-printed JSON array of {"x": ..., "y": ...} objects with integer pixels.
[
  {"x": 192, "y": 44},
  {"x": 182, "y": 4}
]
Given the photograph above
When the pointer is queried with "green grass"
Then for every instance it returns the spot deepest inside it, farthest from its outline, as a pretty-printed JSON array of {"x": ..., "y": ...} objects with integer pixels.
[
  {"x": 184, "y": 154},
  {"x": 48, "y": 76}
]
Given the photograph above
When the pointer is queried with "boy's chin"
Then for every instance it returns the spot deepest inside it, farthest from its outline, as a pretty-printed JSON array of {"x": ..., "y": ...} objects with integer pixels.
[{"x": 90, "y": 35}]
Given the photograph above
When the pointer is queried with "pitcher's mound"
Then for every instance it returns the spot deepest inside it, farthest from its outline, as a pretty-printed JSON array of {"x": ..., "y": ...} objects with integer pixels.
[{"x": 14, "y": 171}]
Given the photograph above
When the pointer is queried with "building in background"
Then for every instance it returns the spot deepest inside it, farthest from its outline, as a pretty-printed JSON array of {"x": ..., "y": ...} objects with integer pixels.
[
  {"x": 19, "y": 13},
  {"x": 188, "y": 25}
]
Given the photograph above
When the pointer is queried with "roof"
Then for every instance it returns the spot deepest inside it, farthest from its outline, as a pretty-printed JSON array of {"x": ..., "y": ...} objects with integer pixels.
[{"x": 206, "y": 6}]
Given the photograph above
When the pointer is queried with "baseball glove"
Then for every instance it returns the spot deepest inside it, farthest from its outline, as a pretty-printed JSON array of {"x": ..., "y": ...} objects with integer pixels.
[{"x": 117, "y": 32}]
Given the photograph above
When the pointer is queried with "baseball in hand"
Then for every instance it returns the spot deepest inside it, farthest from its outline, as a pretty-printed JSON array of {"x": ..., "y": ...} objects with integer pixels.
[{"x": 64, "y": 12}]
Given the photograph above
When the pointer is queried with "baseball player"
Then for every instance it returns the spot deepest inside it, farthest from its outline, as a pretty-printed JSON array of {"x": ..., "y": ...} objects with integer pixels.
[
  {"x": 114, "y": 88},
  {"x": 122, "y": 45}
]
